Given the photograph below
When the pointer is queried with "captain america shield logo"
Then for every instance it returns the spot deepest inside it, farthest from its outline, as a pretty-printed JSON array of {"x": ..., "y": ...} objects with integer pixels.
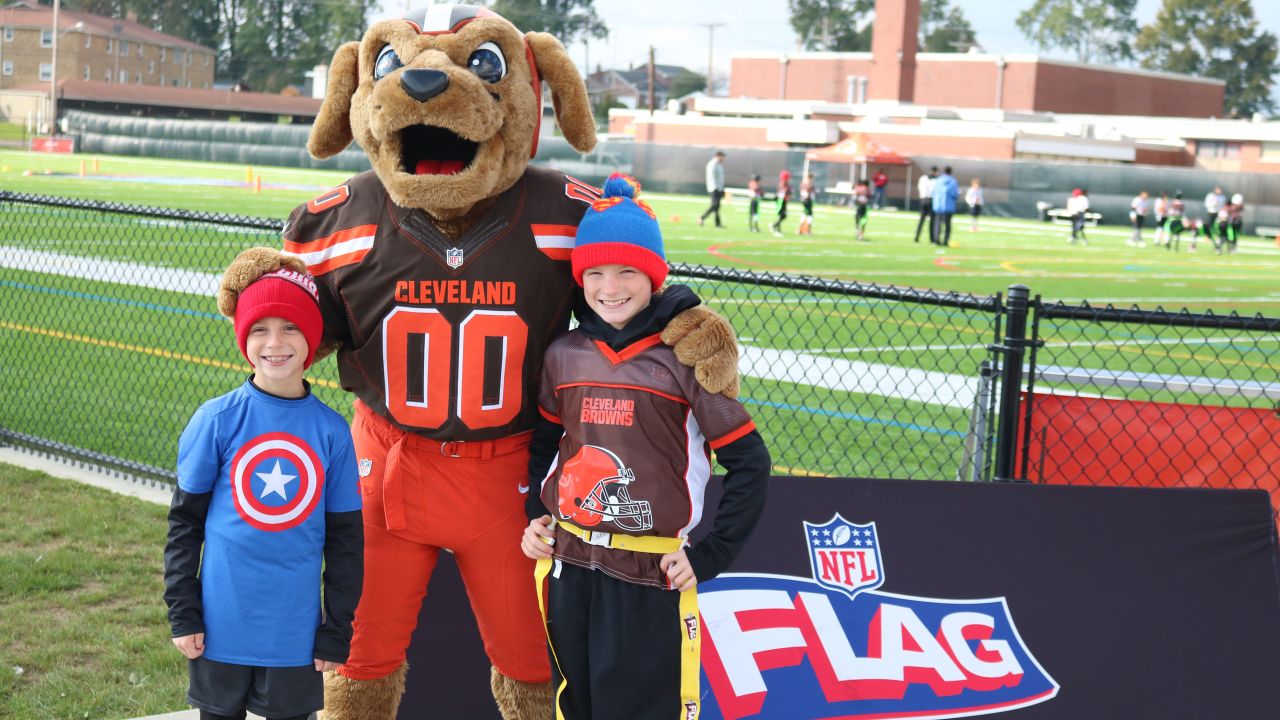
[{"x": 276, "y": 481}]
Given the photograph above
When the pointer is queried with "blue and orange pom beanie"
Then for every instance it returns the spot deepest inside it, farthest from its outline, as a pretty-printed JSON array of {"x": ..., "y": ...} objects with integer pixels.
[{"x": 620, "y": 228}]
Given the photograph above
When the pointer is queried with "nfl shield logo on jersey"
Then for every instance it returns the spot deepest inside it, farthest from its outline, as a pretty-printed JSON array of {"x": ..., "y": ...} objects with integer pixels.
[
  {"x": 845, "y": 556},
  {"x": 453, "y": 258}
]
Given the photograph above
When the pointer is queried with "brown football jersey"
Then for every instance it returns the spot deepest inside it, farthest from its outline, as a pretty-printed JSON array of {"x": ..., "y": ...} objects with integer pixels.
[
  {"x": 635, "y": 455},
  {"x": 443, "y": 337}
]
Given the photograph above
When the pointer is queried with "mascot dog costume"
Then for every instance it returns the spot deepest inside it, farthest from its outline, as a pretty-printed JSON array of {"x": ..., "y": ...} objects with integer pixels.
[{"x": 444, "y": 274}]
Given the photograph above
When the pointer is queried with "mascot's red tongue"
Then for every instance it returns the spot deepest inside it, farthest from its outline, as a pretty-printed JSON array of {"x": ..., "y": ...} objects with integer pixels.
[{"x": 438, "y": 167}]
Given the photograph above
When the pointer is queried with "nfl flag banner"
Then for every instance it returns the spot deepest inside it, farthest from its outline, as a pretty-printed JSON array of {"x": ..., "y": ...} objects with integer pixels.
[{"x": 832, "y": 646}]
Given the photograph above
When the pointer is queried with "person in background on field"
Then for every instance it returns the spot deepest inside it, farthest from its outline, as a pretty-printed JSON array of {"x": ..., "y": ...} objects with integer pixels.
[
  {"x": 715, "y": 187},
  {"x": 616, "y": 492},
  {"x": 1138, "y": 209},
  {"x": 1213, "y": 202},
  {"x": 973, "y": 197},
  {"x": 879, "y": 180},
  {"x": 784, "y": 195},
  {"x": 861, "y": 198},
  {"x": 807, "y": 192},
  {"x": 1162, "y": 211},
  {"x": 1230, "y": 224},
  {"x": 924, "y": 190},
  {"x": 1078, "y": 207},
  {"x": 1173, "y": 223},
  {"x": 945, "y": 192},
  {"x": 263, "y": 565},
  {"x": 753, "y": 213}
]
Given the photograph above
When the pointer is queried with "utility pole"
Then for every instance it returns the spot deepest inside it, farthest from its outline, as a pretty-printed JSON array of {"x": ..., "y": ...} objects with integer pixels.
[
  {"x": 711, "y": 38},
  {"x": 53, "y": 74},
  {"x": 653, "y": 78}
]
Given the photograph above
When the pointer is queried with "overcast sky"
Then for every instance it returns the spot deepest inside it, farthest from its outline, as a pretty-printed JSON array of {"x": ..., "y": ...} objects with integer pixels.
[{"x": 678, "y": 31}]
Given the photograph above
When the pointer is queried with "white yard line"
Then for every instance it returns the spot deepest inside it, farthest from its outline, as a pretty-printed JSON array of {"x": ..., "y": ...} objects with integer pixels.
[{"x": 190, "y": 282}]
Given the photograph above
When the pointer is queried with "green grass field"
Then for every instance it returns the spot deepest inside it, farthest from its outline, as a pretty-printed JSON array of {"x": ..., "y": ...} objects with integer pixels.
[{"x": 127, "y": 364}]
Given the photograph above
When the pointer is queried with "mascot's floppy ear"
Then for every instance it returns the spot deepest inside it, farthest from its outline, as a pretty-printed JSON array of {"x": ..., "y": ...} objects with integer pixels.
[
  {"x": 331, "y": 133},
  {"x": 568, "y": 94}
]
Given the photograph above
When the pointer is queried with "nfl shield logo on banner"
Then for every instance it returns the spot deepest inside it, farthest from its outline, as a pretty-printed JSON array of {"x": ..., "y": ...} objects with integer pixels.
[
  {"x": 453, "y": 257},
  {"x": 845, "y": 556}
]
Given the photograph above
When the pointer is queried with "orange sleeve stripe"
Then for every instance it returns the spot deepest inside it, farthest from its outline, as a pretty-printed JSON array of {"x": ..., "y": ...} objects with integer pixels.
[
  {"x": 726, "y": 439},
  {"x": 334, "y": 263},
  {"x": 324, "y": 243},
  {"x": 549, "y": 416}
]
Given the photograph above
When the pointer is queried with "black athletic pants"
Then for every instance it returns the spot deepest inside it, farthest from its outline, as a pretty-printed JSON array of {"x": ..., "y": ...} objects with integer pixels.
[
  {"x": 716, "y": 195},
  {"x": 926, "y": 212}
]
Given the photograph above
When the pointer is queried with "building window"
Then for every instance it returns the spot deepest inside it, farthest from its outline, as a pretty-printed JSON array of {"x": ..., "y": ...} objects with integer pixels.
[
  {"x": 137, "y": 77},
  {"x": 1270, "y": 152},
  {"x": 206, "y": 61},
  {"x": 177, "y": 56},
  {"x": 164, "y": 53},
  {"x": 151, "y": 67},
  {"x": 110, "y": 41},
  {"x": 46, "y": 71},
  {"x": 1217, "y": 149},
  {"x": 46, "y": 38},
  {"x": 88, "y": 40},
  {"x": 124, "y": 48},
  {"x": 8, "y": 67},
  {"x": 140, "y": 46},
  {"x": 8, "y": 34},
  {"x": 86, "y": 72},
  {"x": 124, "y": 77}
]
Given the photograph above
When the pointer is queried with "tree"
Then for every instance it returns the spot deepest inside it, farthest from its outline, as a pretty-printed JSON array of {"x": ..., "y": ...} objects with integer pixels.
[
  {"x": 605, "y": 103},
  {"x": 944, "y": 29},
  {"x": 832, "y": 24},
  {"x": 685, "y": 83},
  {"x": 1220, "y": 40},
  {"x": 1096, "y": 30},
  {"x": 568, "y": 20}
]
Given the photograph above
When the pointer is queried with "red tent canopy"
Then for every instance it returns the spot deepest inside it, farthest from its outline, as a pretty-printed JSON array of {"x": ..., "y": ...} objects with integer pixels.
[{"x": 857, "y": 149}]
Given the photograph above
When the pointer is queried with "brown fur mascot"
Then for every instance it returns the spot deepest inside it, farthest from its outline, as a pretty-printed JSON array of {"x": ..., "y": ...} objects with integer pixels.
[{"x": 444, "y": 273}]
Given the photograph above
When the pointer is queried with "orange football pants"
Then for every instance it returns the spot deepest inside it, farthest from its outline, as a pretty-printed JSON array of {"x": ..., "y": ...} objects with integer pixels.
[{"x": 420, "y": 496}]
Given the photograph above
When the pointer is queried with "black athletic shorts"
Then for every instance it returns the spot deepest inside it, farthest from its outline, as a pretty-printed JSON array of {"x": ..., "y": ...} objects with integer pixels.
[{"x": 225, "y": 689}]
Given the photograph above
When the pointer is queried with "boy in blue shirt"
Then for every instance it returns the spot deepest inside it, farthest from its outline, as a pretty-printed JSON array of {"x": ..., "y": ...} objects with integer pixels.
[{"x": 268, "y": 488}]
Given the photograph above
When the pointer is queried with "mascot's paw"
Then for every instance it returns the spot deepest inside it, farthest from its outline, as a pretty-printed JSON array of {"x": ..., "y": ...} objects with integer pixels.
[
  {"x": 247, "y": 267},
  {"x": 251, "y": 265},
  {"x": 377, "y": 699},
  {"x": 705, "y": 341},
  {"x": 521, "y": 700}
]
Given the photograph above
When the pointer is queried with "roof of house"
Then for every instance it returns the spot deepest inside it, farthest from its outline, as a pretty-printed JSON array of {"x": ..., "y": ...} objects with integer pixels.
[{"x": 222, "y": 100}]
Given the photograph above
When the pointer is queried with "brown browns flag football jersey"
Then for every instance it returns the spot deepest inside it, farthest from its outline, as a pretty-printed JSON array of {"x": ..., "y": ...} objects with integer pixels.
[
  {"x": 443, "y": 337},
  {"x": 634, "y": 458}
]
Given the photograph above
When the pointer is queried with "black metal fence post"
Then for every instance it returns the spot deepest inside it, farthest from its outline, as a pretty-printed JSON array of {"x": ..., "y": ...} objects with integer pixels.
[{"x": 1013, "y": 346}]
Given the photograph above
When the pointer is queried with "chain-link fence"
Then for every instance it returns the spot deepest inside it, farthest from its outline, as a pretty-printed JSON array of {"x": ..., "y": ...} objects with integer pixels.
[
  {"x": 1193, "y": 402},
  {"x": 111, "y": 340}
]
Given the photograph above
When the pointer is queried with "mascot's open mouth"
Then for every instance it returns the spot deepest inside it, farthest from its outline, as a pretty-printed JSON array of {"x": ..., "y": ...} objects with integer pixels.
[{"x": 428, "y": 150}]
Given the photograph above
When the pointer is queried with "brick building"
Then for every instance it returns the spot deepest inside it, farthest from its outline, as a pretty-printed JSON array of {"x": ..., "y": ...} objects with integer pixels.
[
  {"x": 979, "y": 106},
  {"x": 95, "y": 48}
]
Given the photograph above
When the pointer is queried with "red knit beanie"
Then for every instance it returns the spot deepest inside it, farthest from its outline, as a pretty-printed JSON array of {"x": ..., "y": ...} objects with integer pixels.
[{"x": 284, "y": 294}]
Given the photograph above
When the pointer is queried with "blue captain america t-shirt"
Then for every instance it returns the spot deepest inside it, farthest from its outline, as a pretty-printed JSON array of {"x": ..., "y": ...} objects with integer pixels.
[{"x": 274, "y": 467}]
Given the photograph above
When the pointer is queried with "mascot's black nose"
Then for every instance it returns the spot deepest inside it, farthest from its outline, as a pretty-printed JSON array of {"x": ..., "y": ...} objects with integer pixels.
[{"x": 422, "y": 85}]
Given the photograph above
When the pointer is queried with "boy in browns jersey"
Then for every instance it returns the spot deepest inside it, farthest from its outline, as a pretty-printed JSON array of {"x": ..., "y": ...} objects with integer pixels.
[{"x": 626, "y": 433}]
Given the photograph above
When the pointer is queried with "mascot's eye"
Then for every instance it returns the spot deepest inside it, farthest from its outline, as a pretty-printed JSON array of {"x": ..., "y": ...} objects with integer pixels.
[
  {"x": 488, "y": 63},
  {"x": 386, "y": 63}
]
